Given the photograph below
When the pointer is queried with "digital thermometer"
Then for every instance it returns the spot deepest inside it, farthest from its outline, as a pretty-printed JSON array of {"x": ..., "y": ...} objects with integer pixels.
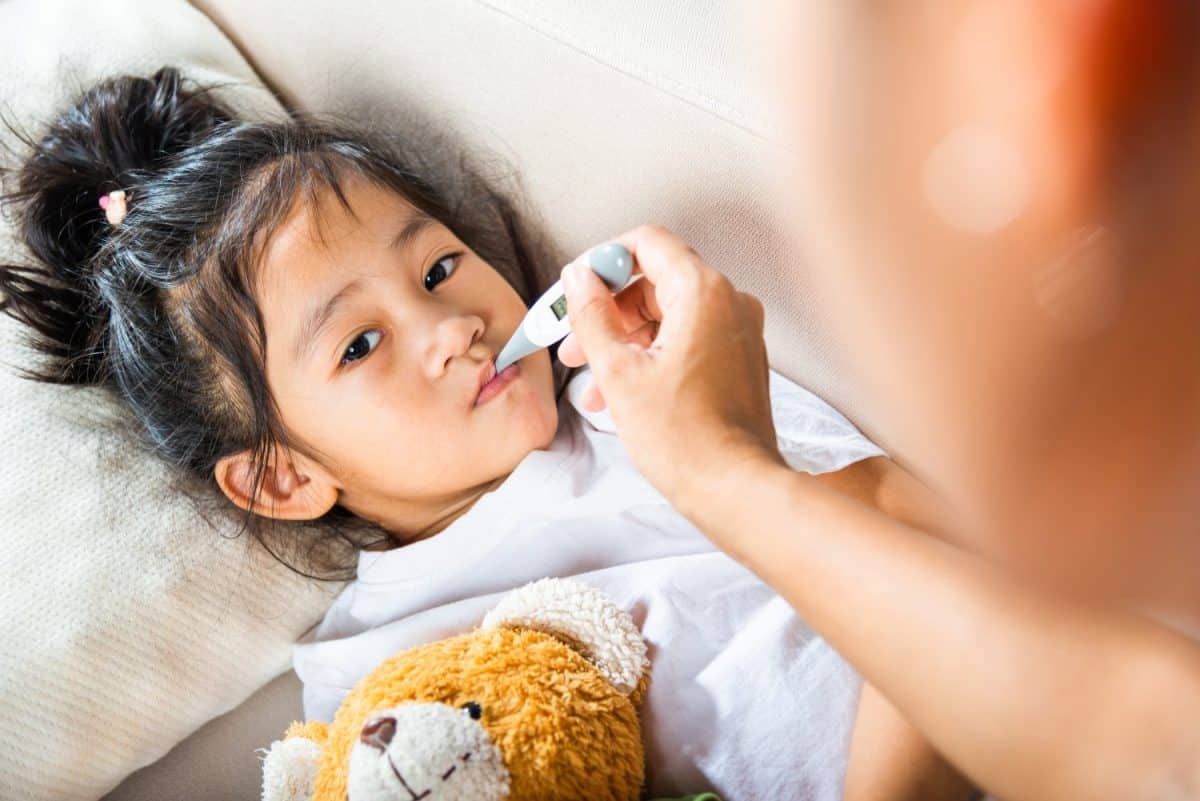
[{"x": 546, "y": 322}]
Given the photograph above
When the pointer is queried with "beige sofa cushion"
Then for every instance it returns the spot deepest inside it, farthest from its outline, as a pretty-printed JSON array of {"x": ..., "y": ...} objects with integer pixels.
[{"x": 126, "y": 620}]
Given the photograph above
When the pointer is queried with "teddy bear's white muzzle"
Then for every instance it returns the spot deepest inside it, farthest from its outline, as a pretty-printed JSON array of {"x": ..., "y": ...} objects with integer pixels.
[{"x": 418, "y": 751}]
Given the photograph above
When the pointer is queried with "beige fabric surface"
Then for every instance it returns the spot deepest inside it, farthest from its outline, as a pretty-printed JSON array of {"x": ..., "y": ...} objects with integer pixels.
[
  {"x": 220, "y": 761},
  {"x": 126, "y": 620}
]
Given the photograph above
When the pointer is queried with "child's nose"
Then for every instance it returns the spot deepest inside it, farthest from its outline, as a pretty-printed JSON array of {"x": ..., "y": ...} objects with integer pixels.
[{"x": 452, "y": 337}]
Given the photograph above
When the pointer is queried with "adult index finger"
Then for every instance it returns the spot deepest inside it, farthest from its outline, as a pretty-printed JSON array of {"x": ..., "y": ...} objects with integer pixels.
[
  {"x": 595, "y": 320},
  {"x": 672, "y": 266}
]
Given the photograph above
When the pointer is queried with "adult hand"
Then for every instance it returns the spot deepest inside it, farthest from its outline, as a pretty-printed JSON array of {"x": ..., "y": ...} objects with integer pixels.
[{"x": 680, "y": 360}]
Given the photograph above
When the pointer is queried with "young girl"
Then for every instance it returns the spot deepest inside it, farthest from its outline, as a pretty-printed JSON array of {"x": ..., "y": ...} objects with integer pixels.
[{"x": 307, "y": 315}]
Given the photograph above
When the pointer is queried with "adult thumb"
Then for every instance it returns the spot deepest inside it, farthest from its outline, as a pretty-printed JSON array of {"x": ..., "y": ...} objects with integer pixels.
[{"x": 594, "y": 317}]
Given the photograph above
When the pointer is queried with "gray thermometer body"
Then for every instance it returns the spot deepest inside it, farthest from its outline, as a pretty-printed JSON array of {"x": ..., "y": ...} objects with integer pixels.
[{"x": 547, "y": 322}]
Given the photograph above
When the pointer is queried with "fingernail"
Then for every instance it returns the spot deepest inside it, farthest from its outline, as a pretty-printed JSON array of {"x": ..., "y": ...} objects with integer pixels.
[{"x": 570, "y": 277}]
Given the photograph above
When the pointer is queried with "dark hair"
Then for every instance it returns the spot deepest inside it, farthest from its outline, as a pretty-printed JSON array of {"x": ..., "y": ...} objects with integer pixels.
[{"x": 160, "y": 308}]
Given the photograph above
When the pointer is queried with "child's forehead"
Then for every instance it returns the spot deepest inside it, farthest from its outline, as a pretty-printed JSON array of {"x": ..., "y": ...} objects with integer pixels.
[
  {"x": 355, "y": 209},
  {"x": 324, "y": 230}
]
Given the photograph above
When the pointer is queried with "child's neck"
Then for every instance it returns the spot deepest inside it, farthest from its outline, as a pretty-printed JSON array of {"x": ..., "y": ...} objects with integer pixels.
[{"x": 442, "y": 517}]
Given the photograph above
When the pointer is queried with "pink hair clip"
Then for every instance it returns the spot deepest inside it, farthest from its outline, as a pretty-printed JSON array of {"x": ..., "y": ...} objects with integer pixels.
[{"x": 115, "y": 206}]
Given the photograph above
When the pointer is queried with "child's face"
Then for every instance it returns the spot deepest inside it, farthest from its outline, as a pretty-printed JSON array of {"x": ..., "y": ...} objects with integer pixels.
[{"x": 384, "y": 387}]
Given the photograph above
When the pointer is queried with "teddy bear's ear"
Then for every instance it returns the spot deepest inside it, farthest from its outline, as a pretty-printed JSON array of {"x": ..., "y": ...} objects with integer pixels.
[
  {"x": 584, "y": 618},
  {"x": 290, "y": 765}
]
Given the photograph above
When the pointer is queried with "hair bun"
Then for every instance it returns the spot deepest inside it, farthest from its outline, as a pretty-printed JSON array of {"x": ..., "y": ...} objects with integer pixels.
[{"x": 117, "y": 135}]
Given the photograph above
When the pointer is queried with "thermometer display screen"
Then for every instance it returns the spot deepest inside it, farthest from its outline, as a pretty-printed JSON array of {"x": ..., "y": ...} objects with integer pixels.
[{"x": 559, "y": 307}]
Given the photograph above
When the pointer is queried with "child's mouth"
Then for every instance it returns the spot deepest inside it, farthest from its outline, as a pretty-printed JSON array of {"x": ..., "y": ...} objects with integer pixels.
[{"x": 496, "y": 383}]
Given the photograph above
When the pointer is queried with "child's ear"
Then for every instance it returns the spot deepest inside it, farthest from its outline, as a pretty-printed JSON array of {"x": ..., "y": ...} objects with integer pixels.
[{"x": 292, "y": 487}]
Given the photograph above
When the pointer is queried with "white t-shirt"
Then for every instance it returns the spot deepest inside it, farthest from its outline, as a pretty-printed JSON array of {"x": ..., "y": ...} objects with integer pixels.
[{"x": 744, "y": 699}]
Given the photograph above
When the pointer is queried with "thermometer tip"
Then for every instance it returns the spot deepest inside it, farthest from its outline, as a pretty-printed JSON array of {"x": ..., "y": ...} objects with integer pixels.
[{"x": 517, "y": 348}]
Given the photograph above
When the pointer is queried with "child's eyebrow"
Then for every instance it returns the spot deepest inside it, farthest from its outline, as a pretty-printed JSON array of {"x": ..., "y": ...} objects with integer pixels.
[
  {"x": 320, "y": 316},
  {"x": 412, "y": 228}
]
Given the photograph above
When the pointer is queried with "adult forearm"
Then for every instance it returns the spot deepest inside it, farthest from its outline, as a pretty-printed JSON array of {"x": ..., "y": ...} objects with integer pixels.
[{"x": 1032, "y": 695}]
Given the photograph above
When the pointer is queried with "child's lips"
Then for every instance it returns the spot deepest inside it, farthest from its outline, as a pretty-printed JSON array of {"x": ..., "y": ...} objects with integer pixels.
[{"x": 493, "y": 383}]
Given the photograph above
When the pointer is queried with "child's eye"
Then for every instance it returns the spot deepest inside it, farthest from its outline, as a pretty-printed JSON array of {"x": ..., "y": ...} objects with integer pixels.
[
  {"x": 363, "y": 344},
  {"x": 441, "y": 270}
]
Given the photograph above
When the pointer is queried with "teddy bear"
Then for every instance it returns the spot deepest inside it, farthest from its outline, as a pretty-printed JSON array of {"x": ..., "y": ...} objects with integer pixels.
[{"x": 540, "y": 703}]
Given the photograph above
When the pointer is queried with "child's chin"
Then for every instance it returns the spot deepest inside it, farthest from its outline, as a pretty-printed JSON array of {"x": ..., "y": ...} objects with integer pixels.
[
  {"x": 531, "y": 428},
  {"x": 548, "y": 425}
]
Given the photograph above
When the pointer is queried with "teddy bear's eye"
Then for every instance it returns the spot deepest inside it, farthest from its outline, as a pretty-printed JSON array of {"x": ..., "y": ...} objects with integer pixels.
[{"x": 473, "y": 709}]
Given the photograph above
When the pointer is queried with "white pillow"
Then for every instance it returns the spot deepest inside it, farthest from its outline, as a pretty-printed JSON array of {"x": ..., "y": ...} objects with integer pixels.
[{"x": 126, "y": 620}]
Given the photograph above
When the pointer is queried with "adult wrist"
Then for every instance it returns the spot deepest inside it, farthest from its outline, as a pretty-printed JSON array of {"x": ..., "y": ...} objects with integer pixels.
[{"x": 719, "y": 495}]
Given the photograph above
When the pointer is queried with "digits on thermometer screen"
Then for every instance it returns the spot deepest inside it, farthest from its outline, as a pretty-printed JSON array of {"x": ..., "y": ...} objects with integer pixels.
[{"x": 559, "y": 307}]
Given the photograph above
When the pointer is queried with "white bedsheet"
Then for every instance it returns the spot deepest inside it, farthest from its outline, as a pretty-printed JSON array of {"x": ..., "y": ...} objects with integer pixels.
[{"x": 744, "y": 699}]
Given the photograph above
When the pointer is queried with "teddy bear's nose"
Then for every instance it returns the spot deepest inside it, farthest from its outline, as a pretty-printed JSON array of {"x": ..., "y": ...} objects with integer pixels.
[{"x": 378, "y": 732}]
